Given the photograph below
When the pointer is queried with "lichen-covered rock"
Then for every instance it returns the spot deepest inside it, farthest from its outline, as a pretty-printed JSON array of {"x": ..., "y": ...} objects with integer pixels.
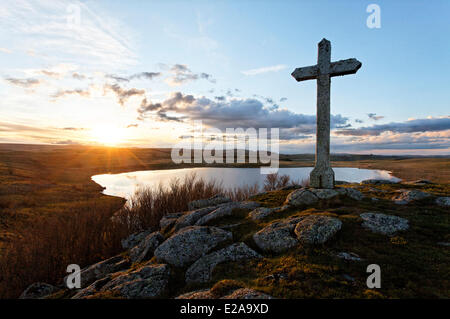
[
  {"x": 199, "y": 294},
  {"x": 149, "y": 281},
  {"x": 348, "y": 256},
  {"x": 301, "y": 197},
  {"x": 92, "y": 289},
  {"x": 317, "y": 229},
  {"x": 443, "y": 201},
  {"x": 202, "y": 269},
  {"x": 277, "y": 237},
  {"x": 38, "y": 290},
  {"x": 262, "y": 212},
  {"x": 134, "y": 239},
  {"x": 213, "y": 201},
  {"x": 144, "y": 250},
  {"x": 169, "y": 220},
  {"x": 225, "y": 210},
  {"x": 323, "y": 193},
  {"x": 353, "y": 193},
  {"x": 190, "y": 218},
  {"x": 384, "y": 224},
  {"x": 377, "y": 181},
  {"x": 190, "y": 243},
  {"x": 101, "y": 269},
  {"x": 407, "y": 196},
  {"x": 246, "y": 293}
]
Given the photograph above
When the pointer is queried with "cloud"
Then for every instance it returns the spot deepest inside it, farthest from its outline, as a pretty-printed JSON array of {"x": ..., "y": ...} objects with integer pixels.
[
  {"x": 132, "y": 125},
  {"x": 359, "y": 121},
  {"x": 26, "y": 83},
  {"x": 80, "y": 92},
  {"x": 5, "y": 50},
  {"x": 181, "y": 74},
  {"x": 266, "y": 69},
  {"x": 73, "y": 128},
  {"x": 283, "y": 99},
  {"x": 66, "y": 142},
  {"x": 411, "y": 126},
  {"x": 373, "y": 116},
  {"x": 78, "y": 76},
  {"x": 141, "y": 75},
  {"x": 235, "y": 113},
  {"x": 123, "y": 94}
]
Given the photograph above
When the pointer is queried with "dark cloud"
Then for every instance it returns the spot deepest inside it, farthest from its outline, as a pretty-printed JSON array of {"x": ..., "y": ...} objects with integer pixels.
[
  {"x": 220, "y": 98},
  {"x": 412, "y": 126},
  {"x": 145, "y": 75},
  {"x": 359, "y": 121},
  {"x": 373, "y": 116},
  {"x": 66, "y": 142},
  {"x": 283, "y": 99},
  {"x": 117, "y": 78},
  {"x": 73, "y": 128},
  {"x": 182, "y": 74},
  {"x": 26, "y": 83},
  {"x": 123, "y": 94},
  {"x": 243, "y": 113}
]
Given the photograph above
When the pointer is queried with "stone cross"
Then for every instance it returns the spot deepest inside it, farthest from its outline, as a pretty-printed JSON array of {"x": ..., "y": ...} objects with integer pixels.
[{"x": 322, "y": 176}]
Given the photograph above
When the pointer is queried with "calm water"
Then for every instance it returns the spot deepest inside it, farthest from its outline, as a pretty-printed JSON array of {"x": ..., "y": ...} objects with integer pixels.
[{"x": 125, "y": 184}]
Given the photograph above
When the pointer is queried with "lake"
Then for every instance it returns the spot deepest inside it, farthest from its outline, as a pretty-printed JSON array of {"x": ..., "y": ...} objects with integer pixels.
[{"x": 125, "y": 184}]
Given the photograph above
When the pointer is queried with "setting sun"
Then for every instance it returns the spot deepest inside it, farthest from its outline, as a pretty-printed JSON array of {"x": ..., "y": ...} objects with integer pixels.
[{"x": 108, "y": 135}]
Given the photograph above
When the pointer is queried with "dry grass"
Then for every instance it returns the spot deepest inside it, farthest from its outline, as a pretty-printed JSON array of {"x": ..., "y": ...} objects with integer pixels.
[{"x": 90, "y": 233}]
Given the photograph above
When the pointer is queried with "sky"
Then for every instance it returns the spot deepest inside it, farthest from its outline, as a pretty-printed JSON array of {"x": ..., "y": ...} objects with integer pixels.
[{"x": 139, "y": 73}]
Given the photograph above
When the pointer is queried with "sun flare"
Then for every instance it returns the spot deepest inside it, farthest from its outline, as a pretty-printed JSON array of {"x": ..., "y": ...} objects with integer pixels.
[{"x": 108, "y": 135}]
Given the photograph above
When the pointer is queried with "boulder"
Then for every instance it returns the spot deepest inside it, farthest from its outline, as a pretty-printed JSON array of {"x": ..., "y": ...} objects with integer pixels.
[
  {"x": 213, "y": 201},
  {"x": 38, "y": 290},
  {"x": 190, "y": 218},
  {"x": 149, "y": 281},
  {"x": 353, "y": 193},
  {"x": 377, "y": 181},
  {"x": 324, "y": 193},
  {"x": 144, "y": 250},
  {"x": 407, "y": 196},
  {"x": 443, "y": 201},
  {"x": 348, "y": 256},
  {"x": 101, "y": 269},
  {"x": 92, "y": 289},
  {"x": 277, "y": 237},
  {"x": 317, "y": 229},
  {"x": 199, "y": 294},
  {"x": 169, "y": 220},
  {"x": 201, "y": 270},
  {"x": 301, "y": 197},
  {"x": 246, "y": 293},
  {"x": 134, "y": 239},
  {"x": 225, "y": 210},
  {"x": 190, "y": 243},
  {"x": 262, "y": 212},
  {"x": 384, "y": 224}
]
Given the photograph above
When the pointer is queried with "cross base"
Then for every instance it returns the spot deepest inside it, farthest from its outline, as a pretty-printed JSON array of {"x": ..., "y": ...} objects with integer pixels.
[{"x": 322, "y": 177}]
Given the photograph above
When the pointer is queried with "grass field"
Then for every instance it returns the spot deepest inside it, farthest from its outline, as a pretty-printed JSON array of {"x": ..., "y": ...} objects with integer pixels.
[{"x": 42, "y": 187}]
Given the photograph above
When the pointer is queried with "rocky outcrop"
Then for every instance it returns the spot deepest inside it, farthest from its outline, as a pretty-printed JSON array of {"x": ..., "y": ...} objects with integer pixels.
[
  {"x": 225, "y": 210},
  {"x": 134, "y": 239},
  {"x": 92, "y": 289},
  {"x": 277, "y": 237},
  {"x": 100, "y": 270},
  {"x": 317, "y": 229},
  {"x": 301, "y": 197},
  {"x": 408, "y": 196},
  {"x": 149, "y": 281},
  {"x": 384, "y": 224},
  {"x": 262, "y": 212},
  {"x": 38, "y": 290},
  {"x": 202, "y": 269},
  {"x": 169, "y": 220},
  {"x": 443, "y": 201},
  {"x": 190, "y": 243},
  {"x": 213, "y": 201},
  {"x": 353, "y": 193},
  {"x": 241, "y": 293},
  {"x": 246, "y": 293},
  {"x": 144, "y": 250},
  {"x": 190, "y": 218},
  {"x": 348, "y": 256}
]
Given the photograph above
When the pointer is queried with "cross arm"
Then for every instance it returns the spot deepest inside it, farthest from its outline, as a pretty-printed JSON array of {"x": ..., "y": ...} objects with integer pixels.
[
  {"x": 306, "y": 73},
  {"x": 343, "y": 67}
]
